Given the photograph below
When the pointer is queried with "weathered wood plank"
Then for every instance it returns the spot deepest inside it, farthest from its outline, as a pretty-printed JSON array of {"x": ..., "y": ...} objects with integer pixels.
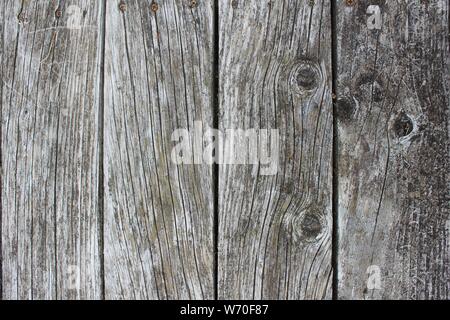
[
  {"x": 393, "y": 108},
  {"x": 2, "y": 58},
  {"x": 158, "y": 215},
  {"x": 49, "y": 139},
  {"x": 275, "y": 73}
]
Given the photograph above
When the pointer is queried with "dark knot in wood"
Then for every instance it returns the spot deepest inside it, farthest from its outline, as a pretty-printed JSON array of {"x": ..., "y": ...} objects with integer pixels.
[
  {"x": 309, "y": 226},
  {"x": 345, "y": 108},
  {"x": 403, "y": 125},
  {"x": 305, "y": 77}
]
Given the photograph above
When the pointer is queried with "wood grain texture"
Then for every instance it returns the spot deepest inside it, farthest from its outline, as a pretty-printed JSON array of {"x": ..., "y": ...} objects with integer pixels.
[
  {"x": 275, "y": 73},
  {"x": 393, "y": 110},
  {"x": 158, "y": 215},
  {"x": 49, "y": 140},
  {"x": 93, "y": 206}
]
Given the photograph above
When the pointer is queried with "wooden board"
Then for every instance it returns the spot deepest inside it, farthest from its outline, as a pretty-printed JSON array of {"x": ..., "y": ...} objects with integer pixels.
[
  {"x": 158, "y": 215},
  {"x": 393, "y": 132},
  {"x": 96, "y": 98},
  {"x": 49, "y": 140},
  {"x": 275, "y": 227}
]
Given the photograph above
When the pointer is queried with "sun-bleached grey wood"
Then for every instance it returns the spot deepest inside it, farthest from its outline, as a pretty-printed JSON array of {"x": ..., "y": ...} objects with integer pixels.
[
  {"x": 158, "y": 215},
  {"x": 275, "y": 73},
  {"x": 393, "y": 113},
  {"x": 152, "y": 222},
  {"x": 50, "y": 147}
]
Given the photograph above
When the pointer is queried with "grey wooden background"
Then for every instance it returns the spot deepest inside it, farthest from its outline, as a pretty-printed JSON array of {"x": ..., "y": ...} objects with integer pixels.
[{"x": 92, "y": 207}]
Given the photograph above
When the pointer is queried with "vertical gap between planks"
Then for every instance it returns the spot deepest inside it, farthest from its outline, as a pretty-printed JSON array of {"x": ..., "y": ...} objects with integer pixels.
[
  {"x": 2, "y": 20},
  {"x": 55, "y": 199},
  {"x": 335, "y": 195},
  {"x": 215, "y": 94},
  {"x": 101, "y": 189}
]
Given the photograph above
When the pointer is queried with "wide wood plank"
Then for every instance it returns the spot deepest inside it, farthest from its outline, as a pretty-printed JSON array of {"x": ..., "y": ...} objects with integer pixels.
[
  {"x": 275, "y": 227},
  {"x": 158, "y": 214},
  {"x": 393, "y": 112},
  {"x": 50, "y": 147}
]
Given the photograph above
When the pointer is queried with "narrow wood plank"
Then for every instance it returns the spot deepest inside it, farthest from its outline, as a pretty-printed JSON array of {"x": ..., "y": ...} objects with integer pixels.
[
  {"x": 393, "y": 108},
  {"x": 275, "y": 73},
  {"x": 2, "y": 58},
  {"x": 49, "y": 104},
  {"x": 158, "y": 215}
]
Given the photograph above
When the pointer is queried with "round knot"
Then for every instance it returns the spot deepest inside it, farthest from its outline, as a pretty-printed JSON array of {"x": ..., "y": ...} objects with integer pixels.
[
  {"x": 403, "y": 125},
  {"x": 309, "y": 227},
  {"x": 345, "y": 108},
  {"x": 305, "y": 77}
]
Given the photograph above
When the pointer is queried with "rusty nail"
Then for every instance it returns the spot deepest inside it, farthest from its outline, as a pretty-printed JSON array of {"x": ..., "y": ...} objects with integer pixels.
[
  {"x": 123, "y": 6},
  {"x": 193, "y": 4},
  {"x": 21, "y": 17},
  {"x": 349, "y": 2}
]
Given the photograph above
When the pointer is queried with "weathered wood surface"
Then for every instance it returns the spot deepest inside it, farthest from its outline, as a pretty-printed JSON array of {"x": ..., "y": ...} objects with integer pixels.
[
  {"x": 158, "y": 215},
  {"x": 275, "y": 73},
  {"x": 50, "y": 146},
  {"x": 393, "y": 113},
  {"x": 93, "y": 206}
]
